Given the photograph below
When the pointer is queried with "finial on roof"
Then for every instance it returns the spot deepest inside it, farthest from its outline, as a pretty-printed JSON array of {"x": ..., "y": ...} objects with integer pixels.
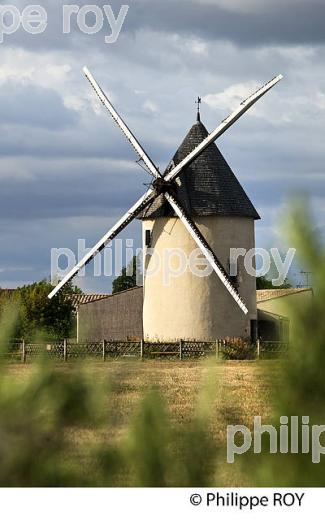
[{"x": 198, "y": 103}]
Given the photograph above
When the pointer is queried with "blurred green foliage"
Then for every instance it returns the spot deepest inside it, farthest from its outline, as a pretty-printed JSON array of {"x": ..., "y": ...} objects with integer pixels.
[
  {"x": 44, "y": 411},
  {"x": 302, "y": 389}
]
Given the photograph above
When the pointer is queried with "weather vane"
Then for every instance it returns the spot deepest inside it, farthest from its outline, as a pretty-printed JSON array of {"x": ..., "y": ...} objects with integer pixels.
[{"x": 198, "y": 103}]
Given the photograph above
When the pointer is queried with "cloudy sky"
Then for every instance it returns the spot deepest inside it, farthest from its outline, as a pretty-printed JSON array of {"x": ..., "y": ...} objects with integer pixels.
[{"x": 66, "y": 172}]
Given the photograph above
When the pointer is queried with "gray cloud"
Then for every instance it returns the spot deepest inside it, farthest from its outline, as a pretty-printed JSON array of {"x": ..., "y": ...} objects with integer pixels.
[
  {"x": 68, "y": 189},
  {"x": 281, "y": 23},
  {"x": 34, "y": 107},
  {"x": 67, "y": 173},
  {"x": 276, "y": 23}
]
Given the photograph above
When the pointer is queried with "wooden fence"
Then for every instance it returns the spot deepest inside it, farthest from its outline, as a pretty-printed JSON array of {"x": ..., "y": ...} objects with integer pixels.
[{"x": 66, "y": 350}]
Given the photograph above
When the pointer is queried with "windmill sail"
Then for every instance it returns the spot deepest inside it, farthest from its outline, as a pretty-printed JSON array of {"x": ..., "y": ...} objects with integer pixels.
[
  {"x": 221, "y": 129},
  {"x": 122, "y": 125},
  {"x": 162, "y": 186},
  {"x": 110, "y": 235},
  {"x": 207, "y": 251}
]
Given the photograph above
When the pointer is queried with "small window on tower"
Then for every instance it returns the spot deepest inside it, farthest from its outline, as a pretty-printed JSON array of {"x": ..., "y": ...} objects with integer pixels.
[{"x": 148, "y": 238}]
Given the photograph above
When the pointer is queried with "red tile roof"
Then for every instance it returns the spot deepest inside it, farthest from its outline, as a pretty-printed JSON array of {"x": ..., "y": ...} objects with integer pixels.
[
  {"x": 270, "y": 294},
  {"x": 81, "y": 299}
]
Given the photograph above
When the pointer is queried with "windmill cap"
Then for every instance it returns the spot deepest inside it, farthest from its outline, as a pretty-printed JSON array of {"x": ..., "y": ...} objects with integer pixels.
[{"x": 207, "y": 186}]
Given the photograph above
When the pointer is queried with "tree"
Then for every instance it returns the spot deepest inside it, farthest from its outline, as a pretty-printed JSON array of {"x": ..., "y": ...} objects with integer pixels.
[
  {"x": 128, "y": 277},
  {"x": 39, "y": 316},
  {"x": 264, "y": 283}
]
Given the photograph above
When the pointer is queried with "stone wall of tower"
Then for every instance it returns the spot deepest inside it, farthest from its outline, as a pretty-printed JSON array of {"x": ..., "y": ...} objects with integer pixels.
[{"x": 193, "y": 307}]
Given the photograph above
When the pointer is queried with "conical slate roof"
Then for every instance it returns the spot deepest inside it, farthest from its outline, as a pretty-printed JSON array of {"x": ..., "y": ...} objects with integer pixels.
[{"x": 207, "y": 186}]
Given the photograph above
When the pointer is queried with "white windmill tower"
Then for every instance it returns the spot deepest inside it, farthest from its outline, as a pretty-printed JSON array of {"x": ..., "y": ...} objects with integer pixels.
[{"x": 197, "y": 203}]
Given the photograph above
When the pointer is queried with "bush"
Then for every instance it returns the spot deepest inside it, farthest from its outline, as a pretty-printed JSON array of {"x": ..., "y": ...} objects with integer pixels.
[{"x": 238, "y": 349}]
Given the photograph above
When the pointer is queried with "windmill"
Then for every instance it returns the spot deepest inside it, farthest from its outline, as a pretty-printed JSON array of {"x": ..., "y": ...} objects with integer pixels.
[{"x": 166, "y": 186}]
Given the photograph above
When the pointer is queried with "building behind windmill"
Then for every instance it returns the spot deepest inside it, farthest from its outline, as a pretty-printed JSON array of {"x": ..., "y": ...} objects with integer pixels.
[{"x": 192, "y": 306}]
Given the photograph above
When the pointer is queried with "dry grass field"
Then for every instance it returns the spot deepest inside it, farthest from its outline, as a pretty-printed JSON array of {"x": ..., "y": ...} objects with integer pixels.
[{"x": 234, "y": 393}]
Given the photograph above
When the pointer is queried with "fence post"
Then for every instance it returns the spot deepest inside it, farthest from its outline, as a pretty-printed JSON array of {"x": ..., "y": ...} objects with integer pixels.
[
  {"x": 23, "y": 352},
  {"x": 258, "y": 347},
  {"x": 104, "y": 350},
  {"x": 181, "y": 349},
  {"x": 65, "y": 353},
  {"x": 142, "y": 349}
]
